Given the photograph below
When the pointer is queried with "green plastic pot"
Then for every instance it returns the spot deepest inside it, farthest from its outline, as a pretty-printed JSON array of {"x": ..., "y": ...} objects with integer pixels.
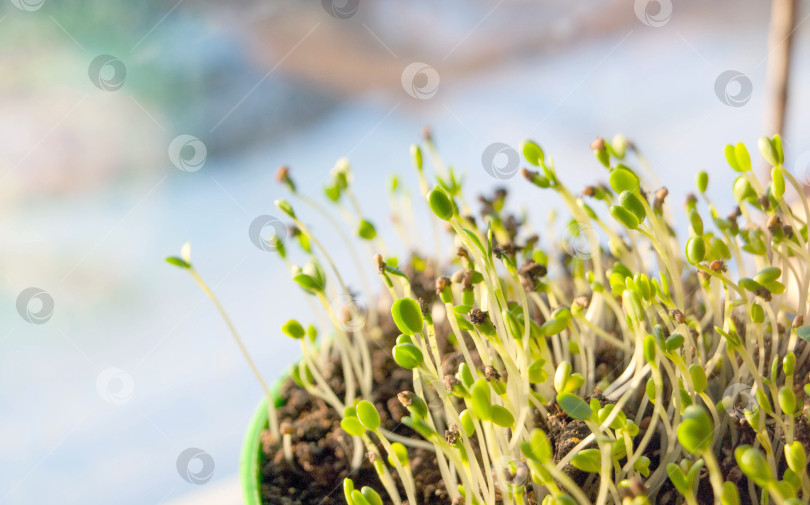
[{"x": 252, "y": 455}]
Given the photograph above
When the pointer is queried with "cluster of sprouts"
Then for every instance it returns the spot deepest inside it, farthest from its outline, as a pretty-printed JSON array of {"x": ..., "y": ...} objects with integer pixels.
[{"x": 685, "y": 365}]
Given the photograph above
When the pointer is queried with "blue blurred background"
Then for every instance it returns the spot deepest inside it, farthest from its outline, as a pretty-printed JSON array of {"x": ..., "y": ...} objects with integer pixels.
[{"x": 134, "y": 366}]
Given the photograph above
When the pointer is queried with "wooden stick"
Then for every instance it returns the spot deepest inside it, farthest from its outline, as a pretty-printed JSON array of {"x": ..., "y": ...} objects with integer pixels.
[{"x": 780, "y": 42}]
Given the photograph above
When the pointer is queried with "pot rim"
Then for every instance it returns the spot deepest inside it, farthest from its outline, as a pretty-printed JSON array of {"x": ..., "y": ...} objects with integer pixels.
[{"x": 252, "y": 457}]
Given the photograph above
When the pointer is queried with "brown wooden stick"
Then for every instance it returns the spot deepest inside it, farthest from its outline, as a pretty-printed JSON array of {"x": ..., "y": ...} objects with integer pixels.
[{"x": 780, "y": 42}]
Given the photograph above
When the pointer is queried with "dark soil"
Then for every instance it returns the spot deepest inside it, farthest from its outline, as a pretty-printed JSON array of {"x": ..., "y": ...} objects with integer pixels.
[{"x": 323, "y": 451}]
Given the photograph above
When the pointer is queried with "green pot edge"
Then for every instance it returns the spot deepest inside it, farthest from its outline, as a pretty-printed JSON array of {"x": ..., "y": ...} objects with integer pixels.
[{"x": 252, "y": 457}]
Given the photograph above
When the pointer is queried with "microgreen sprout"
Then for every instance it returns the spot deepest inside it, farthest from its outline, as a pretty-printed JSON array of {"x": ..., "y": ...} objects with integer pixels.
[{"x": 667, "y": 362}]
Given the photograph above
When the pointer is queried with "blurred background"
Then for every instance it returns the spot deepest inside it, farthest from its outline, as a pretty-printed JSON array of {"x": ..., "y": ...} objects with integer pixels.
[{"x": 128, "y": 128}]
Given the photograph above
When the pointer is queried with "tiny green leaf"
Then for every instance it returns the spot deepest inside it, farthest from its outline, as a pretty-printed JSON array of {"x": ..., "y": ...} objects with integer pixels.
[
  {"x": 416, "y": 155},
  {"x": 695, "y": 250},
  {"x": 757, "y": 313},
  {"x": 778, "y": 182},
  {"x": 698, "y": 375},
  {"x": 368, "y": 415},
  {"x": 553, "y": 326},
  {"x": 401, "y": 452},
  {"x": 371, "y": 496},
  {"x": 787, "y": 400},
  {"x": 537, "y": 372},
  {"x": 730, "y": 494},
  {"x": 587, "y": 460},
  {"x": 348, "y": 487},
  {"x": 624, "y": 217},
  {"x": 333, "y": 192},
  {"x": 440, "y": 203},
  {"x": 352, "y": 426},
  {"x": 358, "y": 498},
  {"x": 538, "y": 448},
  {"x": 407, "y": 315},
  {"x": 743, "y": 190},
  {"x": 574, "y": 406},
  {"x": 293, "y": 329},
  {"x": 754, "y": 465},
  {"x": 673, "y": 342},
  {"x": 502, "y": 417},
  {"x": 631, "y": 303},
  {"x": 742, "y": 157},
  {"x": 366, "y": 230},
  {"x": 768, "y": 274},
  {"x": 695, "y": 430},
  {"x": 731, "y": 157},
  {"x": 649, "y": 349},
  {"x": 285, "y": 207},
  {"x": 695, "y": 222},
  {"x": 796, "y": 457},
  {"x": 631, "y": 201},
  {"x": 178, "y": 262},
  {"x": 480, "y": 400},
  {"x": 622, "y": 179},
  {"x": 307, "y": 282},
  {"x": 719, "y": 248},
  {"x": 789, "y": 363},
  {"x": 408, "y": 356},
  {"x": 533, "y": 153},
  {"x": 467, "y": 422},
  {"x": 465, "y": 375},
  {"x": 642, "y": 466},
  {"x": 702, "y": 181},
  {"x": 561, "y": 375},
  {"x": 678, "y": 478},
  {"x": 768, "y": 151}
]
